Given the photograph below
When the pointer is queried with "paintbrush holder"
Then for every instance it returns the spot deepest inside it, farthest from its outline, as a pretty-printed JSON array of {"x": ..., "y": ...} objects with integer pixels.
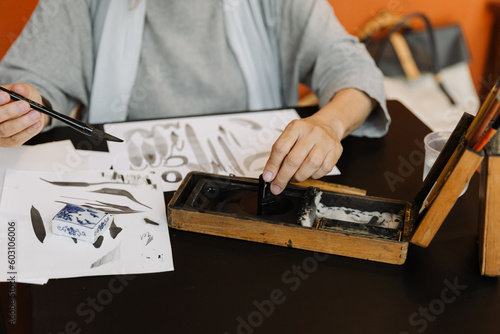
[
  {"x": 489, "y": 219},
  {"x": 444, "y": 201}
]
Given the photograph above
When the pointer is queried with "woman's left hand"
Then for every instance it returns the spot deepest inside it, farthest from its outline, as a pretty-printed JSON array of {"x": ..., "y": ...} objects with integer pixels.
[
  {"x": 306, "y": 148},
  {"x": 310, "y": 147}
]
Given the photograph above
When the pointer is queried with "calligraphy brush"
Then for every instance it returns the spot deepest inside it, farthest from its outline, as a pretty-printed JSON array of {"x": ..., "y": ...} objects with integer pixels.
[
  {"x": 71, "y": 122},
  {"x": 485, "y": 111},
  {"x": 485, "y": 122},
  {"x": 487, "y": 136}
]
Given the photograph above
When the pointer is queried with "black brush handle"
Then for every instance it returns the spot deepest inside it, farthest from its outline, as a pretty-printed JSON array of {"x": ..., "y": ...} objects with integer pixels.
[{"x": 74, "y": 123}]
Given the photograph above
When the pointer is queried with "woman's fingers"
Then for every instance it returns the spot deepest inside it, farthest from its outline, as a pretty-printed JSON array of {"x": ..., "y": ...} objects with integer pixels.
[
  {"x": 18, "y": 122},
  {"x": 305, "y": 149}
]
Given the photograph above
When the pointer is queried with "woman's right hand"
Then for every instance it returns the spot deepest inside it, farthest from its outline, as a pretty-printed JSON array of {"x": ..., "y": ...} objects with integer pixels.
[{"x": 18, "y": 122}]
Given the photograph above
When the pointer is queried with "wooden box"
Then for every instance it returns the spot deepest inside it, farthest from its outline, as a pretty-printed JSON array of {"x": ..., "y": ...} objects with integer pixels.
[
  {"x": 227, "y": 206},
  {"x": 489, "y": 219}
]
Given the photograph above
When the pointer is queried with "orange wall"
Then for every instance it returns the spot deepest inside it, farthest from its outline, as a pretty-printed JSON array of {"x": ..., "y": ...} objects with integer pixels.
[
  {"x": 471, "y": 14},
  {"x": 13, "y": 17}
]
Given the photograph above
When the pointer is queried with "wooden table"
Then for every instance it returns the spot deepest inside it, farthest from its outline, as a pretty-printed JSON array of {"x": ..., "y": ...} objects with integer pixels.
[{"x": 230, "y": 286}]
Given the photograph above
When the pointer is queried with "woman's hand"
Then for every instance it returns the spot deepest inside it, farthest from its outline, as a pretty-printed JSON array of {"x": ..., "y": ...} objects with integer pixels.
[
  {"x": 310, "y": 147},
  {"x": 18, "y": 122},
  {"x": 307, "y": 148}
]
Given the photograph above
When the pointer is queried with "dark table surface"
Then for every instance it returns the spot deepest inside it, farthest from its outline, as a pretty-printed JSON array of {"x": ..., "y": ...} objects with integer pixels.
[{"x": 223, "y": 285}]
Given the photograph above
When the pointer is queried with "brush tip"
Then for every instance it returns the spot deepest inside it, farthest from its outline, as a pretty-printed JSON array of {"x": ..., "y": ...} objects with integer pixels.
[{"x": 105, "y": 136}]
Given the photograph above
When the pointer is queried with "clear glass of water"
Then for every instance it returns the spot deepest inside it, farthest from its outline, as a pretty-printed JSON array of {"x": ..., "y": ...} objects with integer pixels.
[{"x": 434, "y": 143}]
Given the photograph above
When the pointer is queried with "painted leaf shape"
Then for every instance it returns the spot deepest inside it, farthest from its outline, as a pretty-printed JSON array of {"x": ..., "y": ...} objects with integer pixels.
[
  {"x": 160, "y": 144},
  {"x": 148, "y": 152},
  {"x": 37, "y": 222},
  {"x": 134, "y": 154}
]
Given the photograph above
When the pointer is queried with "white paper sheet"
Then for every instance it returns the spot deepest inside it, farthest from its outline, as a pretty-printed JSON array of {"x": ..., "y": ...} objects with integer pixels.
[
  {"x": 97, "y": 160},
  {"x": 58, "y": 157},
  {"x": 143, "y": 244},
  {"x": 236, "y": 144}
]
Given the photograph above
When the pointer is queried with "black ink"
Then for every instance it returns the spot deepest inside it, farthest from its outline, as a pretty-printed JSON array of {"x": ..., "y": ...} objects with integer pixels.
[
  {"x": 112, "y": 256},
  {"x": 217, "y": 164},
  {"x": 175, "y": 139},
  {"x": 161, "y": 144},
  {"x": 98, "y": 242},
  {"x": 75, "y": 240},
  {"x": 247, "y": 122},
  {"x": 176, "y": 174},
  {"x": 182, "y": 161},
  {"x": 119, "y": 192},
  {"x": 149, "y": 221},
  {"x": 114, "y": 230},
  {"x": 149, "y": 153},
  {"x": 134, "y": 154},
  {"x": 77, "y": 184},
  {"x": 148, "y": 236},
  {"x": 37, "y": 223},
  {"x": 248, "y": 160},
  {"x": 108, "y": 206},
  {"x": 197, "y": 149},
  {"x": 144, "y": 133},
  {"x": 230, "y": 155},
  {"x": 234, "y": 138}
]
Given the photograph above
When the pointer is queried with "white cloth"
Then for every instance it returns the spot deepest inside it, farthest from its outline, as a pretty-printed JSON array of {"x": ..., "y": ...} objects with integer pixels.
[
  {"x": 117, "y": 61},
  {"x": 254, "y": 43},
  {"x": 249, "y": 32}
]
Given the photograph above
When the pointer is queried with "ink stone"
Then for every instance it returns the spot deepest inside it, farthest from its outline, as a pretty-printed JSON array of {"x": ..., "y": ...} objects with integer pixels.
[{"x": 82, "y": 223}]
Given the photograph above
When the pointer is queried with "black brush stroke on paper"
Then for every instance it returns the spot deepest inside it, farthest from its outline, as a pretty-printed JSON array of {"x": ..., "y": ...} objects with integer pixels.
[
  {"x": 121, "y": 208},
  {"x": 197, "y": 149},
  {"x": 98, "y": 242},
  {"x": 107, "y": 207},
  {"x": 230, "y": 155},
  {"x": 75, "y": 198},
  {"x": 111, "y": 212},
  {"x": 149, "y": 153},
  {"x": 148, "y": 236},
  {"x": 119, "y": 192},
  {"x": 175, "y": 140},
  {"x": 149, "y": 221},
  {"x": 37, "y": 223},
  {"x": 217, "y": 164},
  {"x": 75, "y": 240},
  {"x": 182, "y": 161},
  {"x": 253, "y": 125},
  {"x": 234, "y": 138},
  {"x": 223, "y": 131},
  {"x": 77, "y": 184},
  {"x": 144, "y": 133},
  {"x": 134, "y": 154},
  {"x": 248, "y": 160},
  {"x": 161, "y": 144},
  {"x": 112, "y": 256},
  {"x": 114, "y": 230}
]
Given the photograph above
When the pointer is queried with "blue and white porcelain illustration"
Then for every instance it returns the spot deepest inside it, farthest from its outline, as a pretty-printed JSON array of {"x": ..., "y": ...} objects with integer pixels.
[{"x": 81, "y": 223}]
